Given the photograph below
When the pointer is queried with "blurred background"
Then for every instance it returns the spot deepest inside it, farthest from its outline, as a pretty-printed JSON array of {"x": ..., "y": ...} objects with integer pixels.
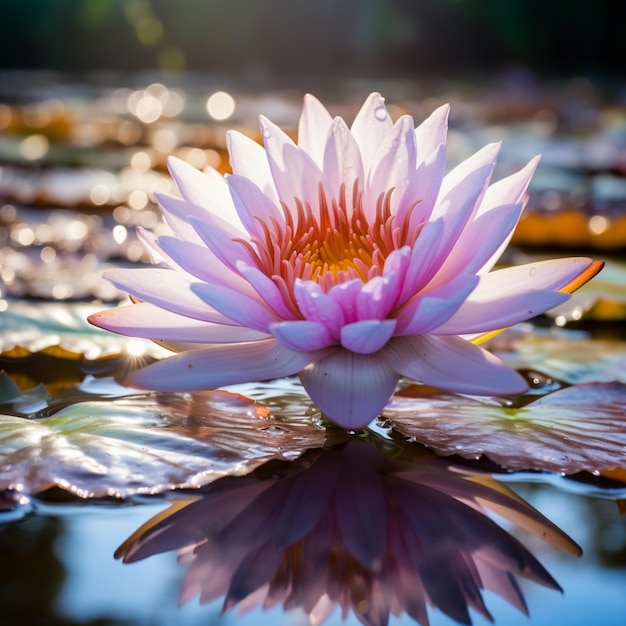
[{"x": 295, "y": 40}]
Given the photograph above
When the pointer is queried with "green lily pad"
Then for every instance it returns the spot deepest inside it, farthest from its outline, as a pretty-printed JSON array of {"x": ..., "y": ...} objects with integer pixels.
[
  {"x": 62, "y": 329},
  {"x": 565, "y": 356},
  {"x": 145, "y": 443},
  {"x": 580, "y": 428}
]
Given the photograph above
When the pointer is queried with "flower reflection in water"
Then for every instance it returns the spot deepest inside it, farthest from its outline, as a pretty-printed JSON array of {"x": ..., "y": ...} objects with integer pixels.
[{"x": 353, "y": 528}]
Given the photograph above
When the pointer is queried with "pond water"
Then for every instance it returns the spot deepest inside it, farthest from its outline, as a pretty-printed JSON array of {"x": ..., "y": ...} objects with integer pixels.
[{"x": 59, "y": 567}]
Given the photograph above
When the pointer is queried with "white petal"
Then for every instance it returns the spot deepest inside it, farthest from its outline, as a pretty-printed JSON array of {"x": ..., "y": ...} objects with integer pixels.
[
  {"x": 491, "y": 311},
  {"x": 248, "y": 159},
  {"x": 295, "y": 174},
  {"x": 205, "y": 189},
  {"x": 371, "y": 124},
  {"x": 164, "y": 288},
  {"x": 235, "y": 306},
  {"x": 453, "y": 364},
  {"x": 221, "y": 365},
  {"x": 150, "y": 322},
  {"x": 432, "y": 132},
  {"x": 342, "y": 164},
  {"x": 351, "y": 389},
  {"x": 313, "y": 128}
]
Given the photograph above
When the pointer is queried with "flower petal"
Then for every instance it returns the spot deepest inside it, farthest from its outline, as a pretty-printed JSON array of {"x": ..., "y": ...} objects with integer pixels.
[
  {"x": 313, "y": 128},
  {"x": 492, "y": 229},
  {"x": 317, "y": 306},
  {"x": 481, "y": 313},
  {"x": 221, "y": 365},
  {"x": 393, "y": 165},
  {"x": 351, "y": 389},
  {"x": 235, "y": 306},
  {"x": 204, "y": 189},
  {"x": 266, "y": 289},
  {"x": 367, "y": 336},
  {"x": 151, "y": 322},
  {"x": 295, "y": 174},
  {"x": 253, "y": 206},
  {"x": 370, "y": 127},
  {"x": 248, "y": 159},
  {"x": 432, "y": 132},
  {"x": 377, "y": 297},
  {"x": 427, "y": 313},
  {"x": 302, "y": 335},
  {"x": 164, "y": 288},
  {"x": 342, "y": 165},
  {"x": 202, "y": 263},
  {"x": 451, "y": 363}
]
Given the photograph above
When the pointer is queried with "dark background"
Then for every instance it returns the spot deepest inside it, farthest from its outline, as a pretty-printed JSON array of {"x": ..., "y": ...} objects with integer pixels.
[{"x": 279, "y": 40}]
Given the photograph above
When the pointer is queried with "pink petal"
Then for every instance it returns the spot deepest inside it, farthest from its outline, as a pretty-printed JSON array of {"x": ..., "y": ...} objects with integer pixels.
[
  {"x": 248, "y": 159},
  {"x": 461, "y": 175},
  {"x": 345, "y": 296},
  {"x": 342, "y": 164},
  {"x": 302, "y": 335},
  {"x": 377, "y": 297},
  {"x": 491, "y": 229},
  {"x": 176, "y": 211},
  {"x": 485, "y": 312},
  {"x": 421, "y": 269},
  {"x": 220, "y": 365},
  {"x": 295, "y": 174},
  {"x": 393, "y": 165},
  {"x": 370, "y": 127},
  {"x": 453, "y": 364},
  {"x": 351, "y": 389},
  {"x": 235, "y": 306},
  {"x": 317, "y": 306},
  {"x": 221, "y": 243},
  {"x": 313, "y": 128},
  {"x": 432, "y": 132},
  {"x": 151, "y": 322},
  {"x": 421, "y": 193},
  {"x": 199, "y": 261},
  {"x": 509, "y": 190},
  {"x": 205, "y": 189},
  {"x": 164, "y": 288},
  {"x": 266, "y": 290},
  {"x": 457, "y": 208},
  {"x": 253, "y": 206},
  {"x": 367, "y": 336},
  {"x": 428, "y": 312}
]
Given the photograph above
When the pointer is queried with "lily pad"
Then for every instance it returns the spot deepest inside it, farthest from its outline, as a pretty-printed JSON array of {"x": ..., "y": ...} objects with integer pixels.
[
  {"x": 580, "y": 428},
  {"x": 565, "y": 356},
  {"x": 145, "y": 443},
  {"x": 62, "y": 330}
]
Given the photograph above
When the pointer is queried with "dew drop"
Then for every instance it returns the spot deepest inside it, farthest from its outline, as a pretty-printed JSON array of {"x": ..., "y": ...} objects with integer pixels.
[
  {"x": 532, "y": 271},
  {"x": 380, "y": 113},
  {"x": 267, "y": 133}
]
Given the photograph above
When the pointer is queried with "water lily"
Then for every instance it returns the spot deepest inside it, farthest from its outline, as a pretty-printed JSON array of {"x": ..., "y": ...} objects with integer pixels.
[{"x": 349, "y": 258}]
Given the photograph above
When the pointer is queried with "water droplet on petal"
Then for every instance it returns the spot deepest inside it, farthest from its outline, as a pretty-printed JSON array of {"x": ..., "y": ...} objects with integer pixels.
[
  {"x": 532, "y": 271},
  {"x": 380, "y": 113}
]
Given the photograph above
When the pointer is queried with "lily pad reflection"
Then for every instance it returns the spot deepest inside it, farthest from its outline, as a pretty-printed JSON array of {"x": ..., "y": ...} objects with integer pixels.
[{"x": 350, "y": 528}]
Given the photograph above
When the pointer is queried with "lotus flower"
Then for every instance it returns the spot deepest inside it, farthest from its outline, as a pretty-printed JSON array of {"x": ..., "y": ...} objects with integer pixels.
[
  {"x": 347, "y": 258},
  {"x": 351, "y": 528}
]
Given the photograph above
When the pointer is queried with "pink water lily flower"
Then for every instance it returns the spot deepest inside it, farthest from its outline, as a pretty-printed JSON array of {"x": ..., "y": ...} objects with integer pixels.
[{"x": 349, "y": 258}]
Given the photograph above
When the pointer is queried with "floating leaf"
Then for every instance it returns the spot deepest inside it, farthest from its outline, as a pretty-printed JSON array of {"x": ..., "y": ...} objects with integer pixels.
[
  {"x": 62, "y": 330},
  {"x": 14, "y": 401},
  {"x": 145, "y": 443},
  {"x": 568, "y": 357},
  {"x": 581, "y": 428}
]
